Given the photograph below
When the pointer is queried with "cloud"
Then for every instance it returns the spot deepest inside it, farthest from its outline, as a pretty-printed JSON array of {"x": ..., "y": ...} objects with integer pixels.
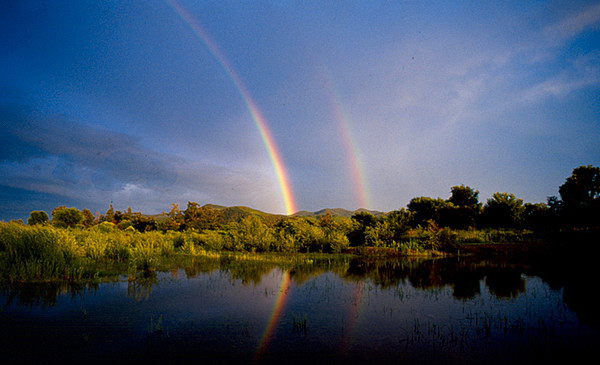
[
  {"x": 573, "y": 25},
  {"x": 583, "y": 72},
  {"x": 83, "y": 163}
]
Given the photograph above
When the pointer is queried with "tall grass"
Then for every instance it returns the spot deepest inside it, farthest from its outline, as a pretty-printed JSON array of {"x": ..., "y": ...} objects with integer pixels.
[
  {"x": 43, "y": 251},
  {"x": 38, "y": 252},
  {"x": 433, "y": 237}
]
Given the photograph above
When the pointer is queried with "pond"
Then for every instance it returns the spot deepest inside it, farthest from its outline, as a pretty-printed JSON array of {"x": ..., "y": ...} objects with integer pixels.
[{"x": 342, "y": 309}]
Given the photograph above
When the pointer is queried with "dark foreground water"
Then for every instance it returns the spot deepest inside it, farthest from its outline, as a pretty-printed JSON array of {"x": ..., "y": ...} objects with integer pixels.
[{"x": 346, "y": 310}]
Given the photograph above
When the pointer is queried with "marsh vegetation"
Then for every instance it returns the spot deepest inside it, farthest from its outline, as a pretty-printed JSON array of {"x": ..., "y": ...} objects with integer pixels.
[{"x": 63, "y": 246}]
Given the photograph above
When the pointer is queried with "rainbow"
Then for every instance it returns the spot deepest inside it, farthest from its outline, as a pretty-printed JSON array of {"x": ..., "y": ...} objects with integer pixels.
[
  {"x": 278, "y": 307},
  {"x": 257, "y": 116},
  {"x": 353, "y": 316},
  {"x": 350, "y": 146}
]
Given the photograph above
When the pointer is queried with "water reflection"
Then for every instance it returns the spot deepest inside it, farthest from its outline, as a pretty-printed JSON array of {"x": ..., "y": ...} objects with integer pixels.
[
  {"x": 465, "y": 276},
  {"x": 278, "y": 308},
  {"x": 140, "y": 286},
  {"x": 459, "y": 310},
  {"x": 41, "y": 294}
]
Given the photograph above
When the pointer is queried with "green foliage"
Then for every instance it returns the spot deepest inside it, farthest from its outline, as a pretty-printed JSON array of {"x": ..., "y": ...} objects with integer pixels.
[
  {"x": 426, "y": 209},
  {"x": 582, "y": 188},
  {"x": 463, "y": 208},
  {"x": 143, "y": 223},
  {"x": 66, "y": 217},
  {"x": 110, "y": 215},
  {"x": 581, "y": 196},
  {"x": 37, "y": 217},
  {"x": 503, "y": 210},
  {"x": 106, "y": 227},
  {"x": 214, "y": 240},
  {"x": 174, "y": 220},
  {"x": 41, "y": 250},
  {"x": 124, "y": 224},
  {"x": 362, "y": 222},
  {"x": 506, "y": 236},
  {"x": 464, "y": 196},
  {"x": 251, "y": 234},
  {"x": 379, "y": 235},
  {"x": 433, "y": 237},
  {"x": 307, "y": 235},
  {"x": 201, "y": 218},
  {"x": 37, "y": 252},
  {"x": 88, "y": 218},
  {"x": 537, "y": 216},
  {"x": 301, "y": 235},
  {"x": 390, "y": 229},
  {"x": 335, "y": 233}
]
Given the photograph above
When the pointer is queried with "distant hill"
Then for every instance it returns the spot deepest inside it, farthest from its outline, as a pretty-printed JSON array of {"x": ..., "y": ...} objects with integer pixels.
[
  {"x": 238, "y": 213},
  {"x": 160, "y": 217},
  {"x": 335, "y": 212}
]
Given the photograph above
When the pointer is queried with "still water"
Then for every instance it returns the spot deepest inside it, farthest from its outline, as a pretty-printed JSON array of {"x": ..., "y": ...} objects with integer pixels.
[{"x": 450, "y": 311}]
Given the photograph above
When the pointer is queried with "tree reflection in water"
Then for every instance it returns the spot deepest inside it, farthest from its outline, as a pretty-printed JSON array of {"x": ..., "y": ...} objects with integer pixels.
[{"x": 209, "y": 305}]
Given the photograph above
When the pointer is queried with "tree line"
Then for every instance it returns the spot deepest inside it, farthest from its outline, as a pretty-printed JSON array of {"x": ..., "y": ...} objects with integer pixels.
[{"x": 577, "y": 207}]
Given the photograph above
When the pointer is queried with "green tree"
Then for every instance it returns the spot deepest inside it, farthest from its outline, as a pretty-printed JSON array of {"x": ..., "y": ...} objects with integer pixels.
[
  {"x": 581, "y": 196},
  {"x": 88, "y": 217},
  {"x": 464, "y": 196},
  {"x": 201, "y": 218},
  {"x": 174, "y": 220},
  {"x": 110, "y": 215},
  {"x": 335, "y": 232},
  {"x": 37, "y": 217},
  {"x": 554, "y": 203},
  {"x": 463, "y": 208},
  {"x": 361, "y": 222},
  {"x": 503, "y": 210},
  {"x": 118, "y": 217},
  {"x": 66, "y": 217},
  {"x": 142, "y": 223},
  {"x": 304, "y": 235},
  {"x": 252, "y": 234},
  {"x": 399, "y": 221},
  {"x": 537, "y": 216},
  {"x": 426, "y": 209},
  {"x": 390, "y": 229}
]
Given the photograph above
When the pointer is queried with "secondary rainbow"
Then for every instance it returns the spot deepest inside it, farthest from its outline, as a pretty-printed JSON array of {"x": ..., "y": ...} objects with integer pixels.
[
  {"x": 257, "y": 116},
  {"x": 350, "y": 145},
  {"x": 354, "y": 312}
]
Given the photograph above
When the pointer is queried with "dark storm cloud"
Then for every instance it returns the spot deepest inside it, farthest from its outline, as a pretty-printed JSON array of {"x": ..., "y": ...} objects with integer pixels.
[
  {"x": 112, "y": 156},
  {"x": 46, "y": 158}
]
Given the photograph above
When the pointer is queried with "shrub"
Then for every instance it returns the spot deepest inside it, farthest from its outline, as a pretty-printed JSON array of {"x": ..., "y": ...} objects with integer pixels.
[
  {"x": 252, "y": 234},
  {"x": 37, "y": 217},
  {"x": 66, "y": 217},
  {"x": 106, "y": 227},
  {"x": 216, "y": 241}
]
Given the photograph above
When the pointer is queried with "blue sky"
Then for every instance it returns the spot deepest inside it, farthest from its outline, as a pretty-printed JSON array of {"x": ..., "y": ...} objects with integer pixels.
[{"x": 121, "y": 102}]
